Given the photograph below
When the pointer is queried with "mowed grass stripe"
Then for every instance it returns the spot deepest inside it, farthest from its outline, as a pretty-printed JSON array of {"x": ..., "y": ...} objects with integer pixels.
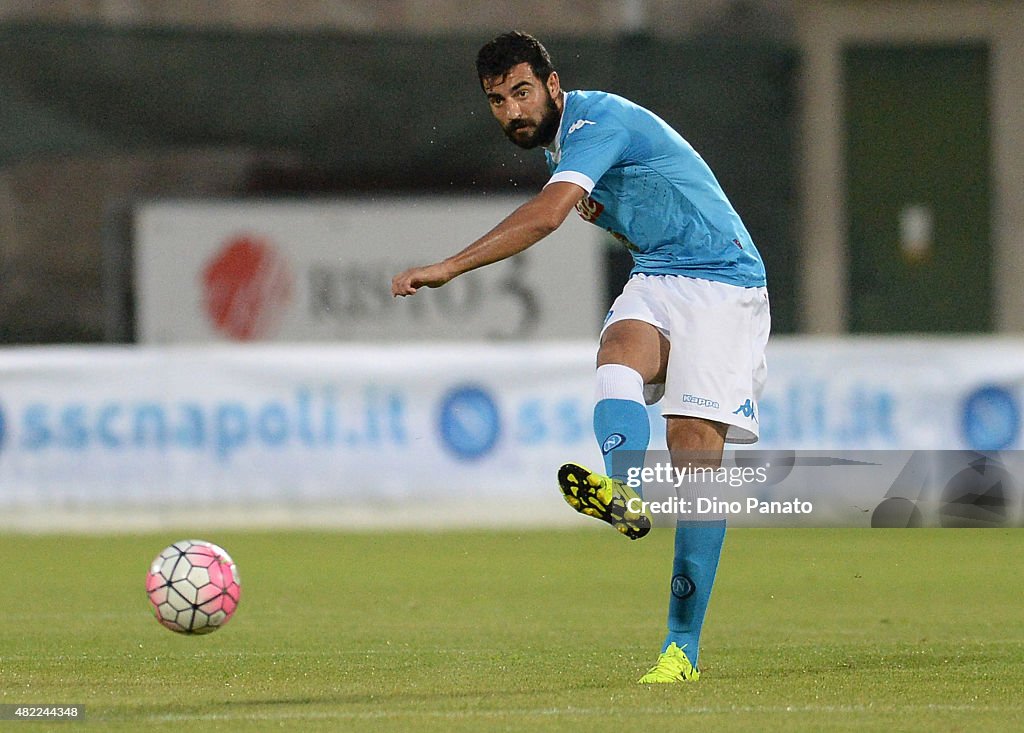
[{"x": 579, "y": 712}]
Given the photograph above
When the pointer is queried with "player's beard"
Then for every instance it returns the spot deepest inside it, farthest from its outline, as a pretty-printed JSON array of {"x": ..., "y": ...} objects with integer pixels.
[{"x": 543, "y": 134}]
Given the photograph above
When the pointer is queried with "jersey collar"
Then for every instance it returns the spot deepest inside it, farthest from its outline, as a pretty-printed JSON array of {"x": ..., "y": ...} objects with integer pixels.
[{"x": 555, "y": 149}]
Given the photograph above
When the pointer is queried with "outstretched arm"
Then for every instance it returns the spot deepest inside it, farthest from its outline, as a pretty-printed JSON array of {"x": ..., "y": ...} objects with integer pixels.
[{"x": 525, "y": 226}]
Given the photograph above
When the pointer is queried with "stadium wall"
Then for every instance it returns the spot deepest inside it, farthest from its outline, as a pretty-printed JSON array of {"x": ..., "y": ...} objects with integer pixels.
[
  {"x": 824, "y": 31},
  {"x": 95, "y": 119}
]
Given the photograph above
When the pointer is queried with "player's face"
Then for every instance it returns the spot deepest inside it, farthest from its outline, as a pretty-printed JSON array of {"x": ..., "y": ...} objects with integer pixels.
[{"x": 528, "y": 109}]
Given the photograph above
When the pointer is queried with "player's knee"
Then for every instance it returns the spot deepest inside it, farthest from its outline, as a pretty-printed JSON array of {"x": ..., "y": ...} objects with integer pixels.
[
  {"x": 633, "y": 344},
  {"x": 613, "y": 351},
  {"x": 696, "y": 440}
]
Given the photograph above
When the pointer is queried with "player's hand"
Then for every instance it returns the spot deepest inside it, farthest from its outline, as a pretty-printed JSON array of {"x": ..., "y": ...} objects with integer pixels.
[{"x": 429, "y": 276}]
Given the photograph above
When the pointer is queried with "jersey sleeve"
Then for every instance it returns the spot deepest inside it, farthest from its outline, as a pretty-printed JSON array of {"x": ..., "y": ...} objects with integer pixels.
[{"x": 593, "y": 144}]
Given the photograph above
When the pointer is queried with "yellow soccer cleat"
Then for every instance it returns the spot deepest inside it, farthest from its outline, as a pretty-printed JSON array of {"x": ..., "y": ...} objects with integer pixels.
[
  {"x": 603, "y": 498},
  {"x": 673, "y": 666}
]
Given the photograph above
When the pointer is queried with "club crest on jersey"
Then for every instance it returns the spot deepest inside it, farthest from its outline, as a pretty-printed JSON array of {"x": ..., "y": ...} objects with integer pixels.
[
  {"x": 578, "y": 125},
  {"x": 612, "y": 442},
  {"x": 588, "y": 209}
]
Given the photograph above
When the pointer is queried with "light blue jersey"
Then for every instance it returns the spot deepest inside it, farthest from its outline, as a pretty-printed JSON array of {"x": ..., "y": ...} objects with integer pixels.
[{"x": 648, "y": 187}]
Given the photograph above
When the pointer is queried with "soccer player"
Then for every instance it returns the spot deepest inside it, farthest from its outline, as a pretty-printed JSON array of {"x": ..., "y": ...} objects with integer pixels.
[{"x": 690, "y": 326}]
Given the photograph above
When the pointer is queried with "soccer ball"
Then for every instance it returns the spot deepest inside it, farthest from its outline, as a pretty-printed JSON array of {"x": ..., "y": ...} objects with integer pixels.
[{"x": 194, "y": 587}]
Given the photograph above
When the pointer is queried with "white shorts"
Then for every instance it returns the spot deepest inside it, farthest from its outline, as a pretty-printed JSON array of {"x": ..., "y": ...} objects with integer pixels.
[{"x": 717, "y": 335}]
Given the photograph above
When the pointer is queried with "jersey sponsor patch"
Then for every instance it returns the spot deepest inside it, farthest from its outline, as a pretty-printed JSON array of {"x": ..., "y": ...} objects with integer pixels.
[{"x": 588, "y": 209}]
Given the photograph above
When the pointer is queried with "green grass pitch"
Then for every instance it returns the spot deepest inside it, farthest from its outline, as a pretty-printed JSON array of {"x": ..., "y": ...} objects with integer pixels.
[{"x": 541, "y": 631}]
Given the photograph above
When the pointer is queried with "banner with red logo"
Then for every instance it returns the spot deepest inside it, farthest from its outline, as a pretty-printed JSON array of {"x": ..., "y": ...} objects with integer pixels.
[{"x": 321, "y": 271}]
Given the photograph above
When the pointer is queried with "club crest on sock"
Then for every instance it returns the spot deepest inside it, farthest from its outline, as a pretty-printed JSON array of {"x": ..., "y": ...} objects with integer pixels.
[
  {"x": 682, "y": 586},
  {"x": 612, "y": 442}
]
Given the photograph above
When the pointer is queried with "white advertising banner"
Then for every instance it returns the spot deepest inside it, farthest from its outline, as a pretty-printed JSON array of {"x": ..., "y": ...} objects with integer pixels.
[
  {"x": 256, "y": 425},
  {"x": 899, "y": 393},
  {"x": 479, "y": 425},
  {"x": 233, "y": 271}
]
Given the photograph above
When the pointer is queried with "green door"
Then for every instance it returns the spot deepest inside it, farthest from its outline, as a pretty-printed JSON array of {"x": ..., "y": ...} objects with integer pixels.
[{"x": 917, "y": 162}]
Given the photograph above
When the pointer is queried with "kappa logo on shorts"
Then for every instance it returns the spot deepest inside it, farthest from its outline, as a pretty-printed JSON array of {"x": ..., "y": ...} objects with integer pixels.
[
  {"x": 700, "y": 401},
  {"x": 612, "y": 442},
  {"x": 747, "y": 410}
]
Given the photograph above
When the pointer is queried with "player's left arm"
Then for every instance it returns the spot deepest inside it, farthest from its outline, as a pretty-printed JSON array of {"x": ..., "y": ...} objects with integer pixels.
[{"x": 524, "y": 227}]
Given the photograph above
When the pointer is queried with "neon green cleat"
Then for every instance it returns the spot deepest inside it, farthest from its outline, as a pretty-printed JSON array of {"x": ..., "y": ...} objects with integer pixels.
[
  {"x": 604, "y": 498},
  {"x": 673, "y": 666}
]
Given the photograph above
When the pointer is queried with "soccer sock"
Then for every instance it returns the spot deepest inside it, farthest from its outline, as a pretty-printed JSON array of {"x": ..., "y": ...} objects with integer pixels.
[
  {"x": 621, "y": 425},
  {"x": 697, "y": 550}
]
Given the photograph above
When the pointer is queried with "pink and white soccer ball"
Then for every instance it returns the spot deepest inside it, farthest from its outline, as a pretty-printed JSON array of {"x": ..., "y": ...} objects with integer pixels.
[{"x": 194, "y": 587}]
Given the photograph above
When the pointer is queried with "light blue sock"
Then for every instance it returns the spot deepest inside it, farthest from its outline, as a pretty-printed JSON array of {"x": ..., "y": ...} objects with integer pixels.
[
  {"x": 623, "y": 431},
  {"x": 698, "y": 548},
  {"x": 621, "y": 424}
]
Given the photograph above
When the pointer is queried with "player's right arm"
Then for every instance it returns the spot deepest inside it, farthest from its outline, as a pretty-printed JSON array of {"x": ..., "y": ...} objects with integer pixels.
[{"x": 524, "y": 227}]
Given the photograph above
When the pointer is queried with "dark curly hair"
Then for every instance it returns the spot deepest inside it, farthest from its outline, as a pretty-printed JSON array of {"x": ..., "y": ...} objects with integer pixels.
[{"x": 511, "y": 49}]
